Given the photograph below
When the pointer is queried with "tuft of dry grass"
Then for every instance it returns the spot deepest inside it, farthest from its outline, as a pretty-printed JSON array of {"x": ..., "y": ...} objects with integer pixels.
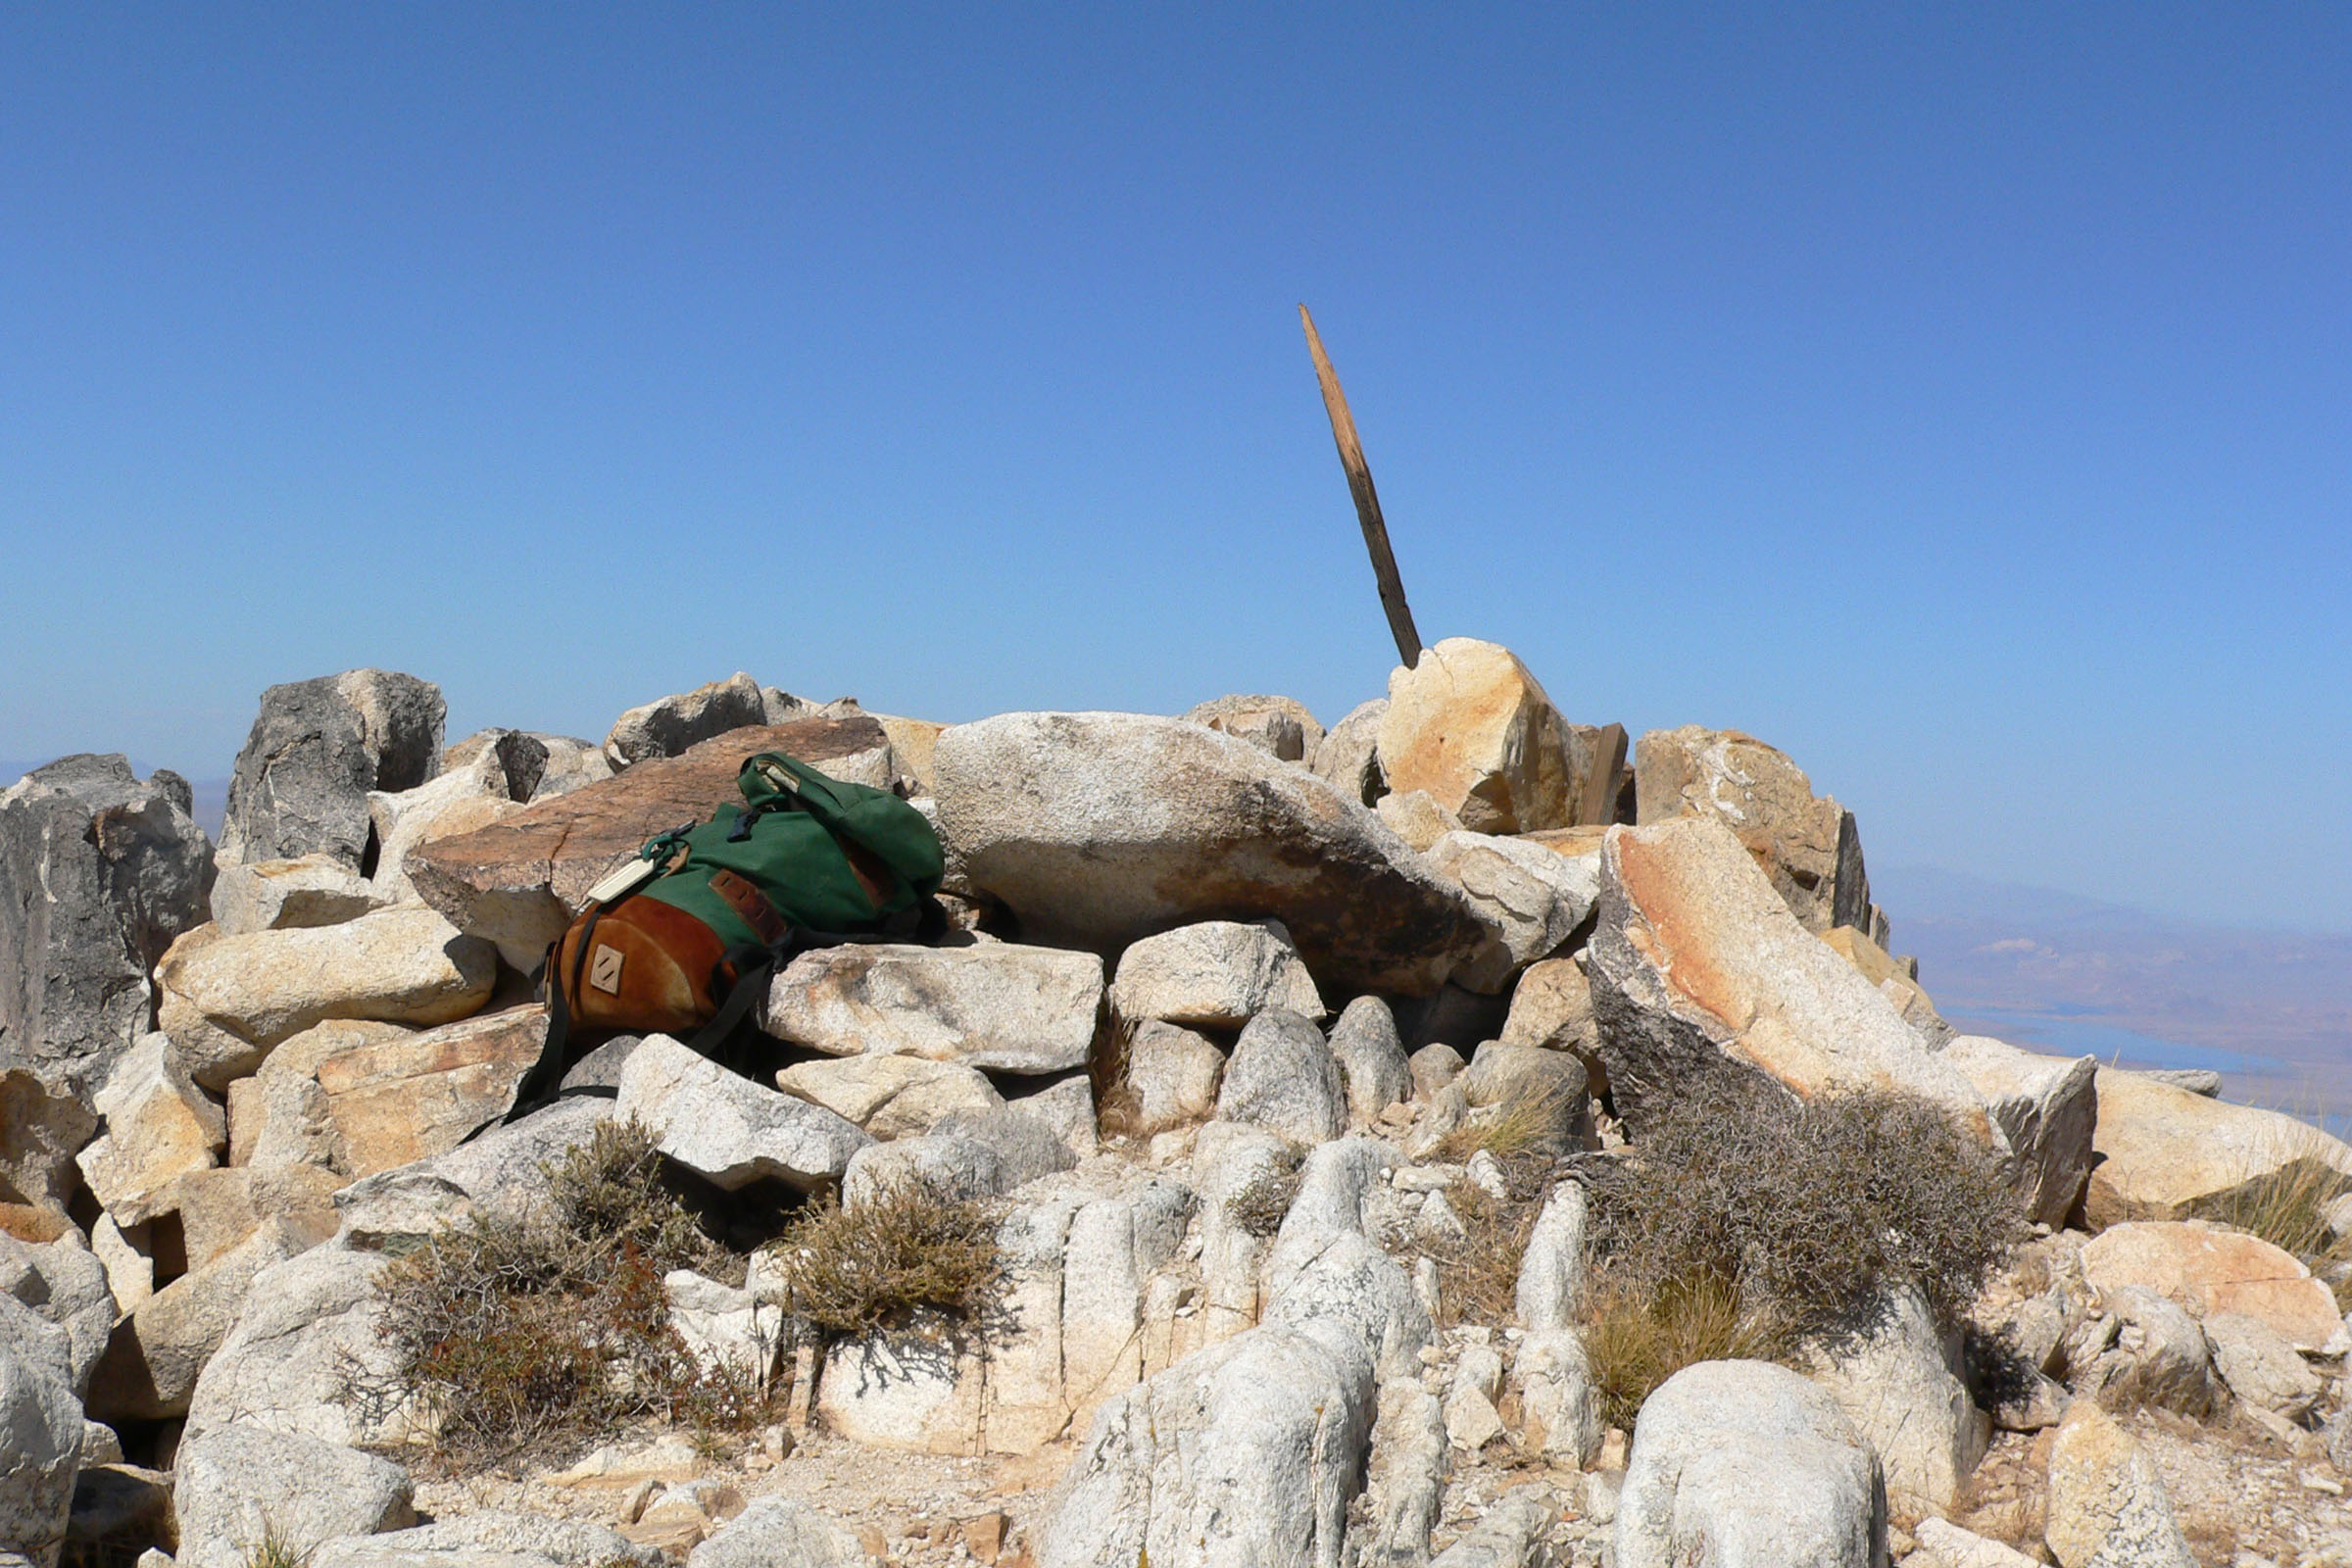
[
  {"x": 1525, "y": 1125},
  {"x": 276, "y": 1551},
  {"x": 1265, "y": 1200},
  {"x": 908, "y": 1262},
  {"x": 1478, "y": 1277},
  {"x": 518, "y": 1335},
  {"x": 1638, "y": 1339}
]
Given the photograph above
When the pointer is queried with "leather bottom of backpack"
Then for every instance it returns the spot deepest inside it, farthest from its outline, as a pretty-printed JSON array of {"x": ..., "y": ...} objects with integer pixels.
[{"x": 648, "y": 969}]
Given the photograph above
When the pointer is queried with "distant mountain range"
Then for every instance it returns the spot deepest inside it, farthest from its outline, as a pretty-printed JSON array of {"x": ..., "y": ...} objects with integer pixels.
[{"x": 2271, "y": 1010}]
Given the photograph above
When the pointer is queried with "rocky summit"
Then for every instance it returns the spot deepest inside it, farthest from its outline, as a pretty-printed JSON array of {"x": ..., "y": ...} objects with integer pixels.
[{"x": 1450, "y": 1136}]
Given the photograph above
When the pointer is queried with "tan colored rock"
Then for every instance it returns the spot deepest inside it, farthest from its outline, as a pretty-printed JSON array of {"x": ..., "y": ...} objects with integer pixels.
[
  {"x": 518, "y": 881},
  {"x": 220, "y": 1209},
  {"x": 1696, "y": 962},
  {"x": 460, "y": 801},
  {"x": 2210, "y": 1270},
  {"x": 2047, "y": 1108},
  {"x": 1417, "y": 819},
  {"x": 395, "y": 1100},
  {"x": 1216, "y": 974},
  {"x": 278, "y": 1116},
  {"x": 2164, "y": 1152},
  {"x": 912, "y": 740},
  {"x": 891, "y": 1097},
  {"x": 313, "y": 890},
  {"x": 1280, "y": 725},
  {"x": 227, "y": 1000},
  {"x": 1894, "y": 981},
  {"x": 1349, "y": 760},
  {"x": 1806, "y": 845},
  {"x": 1172, "y": 1077},
  {"x": 2107, "y": 1507},
  {"x": 1473, "y": 727},
  {"x": 159, "y": 1127}
]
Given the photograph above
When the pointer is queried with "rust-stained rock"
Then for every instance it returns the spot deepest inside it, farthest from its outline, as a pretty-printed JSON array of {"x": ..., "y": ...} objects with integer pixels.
[
  {"x": 1807, "y": 845},
  {"x": 518, "y": 882},
  {"x": 1474, "y": 728},
  {"x": 2210, "y": 1271},
  {"x": 1696, "y": 964},
  {"x": 1097, "y": 829},
  {"x": 399, "y": 1100}
]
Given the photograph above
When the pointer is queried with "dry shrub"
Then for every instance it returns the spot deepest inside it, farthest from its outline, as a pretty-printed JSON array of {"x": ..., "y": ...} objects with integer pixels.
[
  {"x": 1478, "y": 1277},
  {"x": 908, "y": 1262},
  {"x": 1638, "y": 1340},
  {"x": 1264, "y": 1200},
  {"x": 525, "y": 1334},
  {"x": 2288, "y": 1208},
  {"x": 1809, "y": 1210},
  {"x": 275, "y": 1549}
]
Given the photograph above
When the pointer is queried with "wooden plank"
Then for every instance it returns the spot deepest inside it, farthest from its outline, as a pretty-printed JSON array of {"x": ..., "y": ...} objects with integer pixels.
[{"x": 1367, "y": 500}]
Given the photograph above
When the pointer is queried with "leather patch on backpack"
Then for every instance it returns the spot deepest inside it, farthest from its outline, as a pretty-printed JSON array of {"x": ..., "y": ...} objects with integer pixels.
[
  {"x": 750, "y": 902},
  {"x": 603, "y": 969}
]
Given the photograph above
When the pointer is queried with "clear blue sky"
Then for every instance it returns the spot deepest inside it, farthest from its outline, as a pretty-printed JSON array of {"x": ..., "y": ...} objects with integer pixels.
[{"x": 1959, "y": 397}]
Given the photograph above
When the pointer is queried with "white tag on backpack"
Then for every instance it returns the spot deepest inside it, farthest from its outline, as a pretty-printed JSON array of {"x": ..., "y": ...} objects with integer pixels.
[{"x": 623, "y": 880}]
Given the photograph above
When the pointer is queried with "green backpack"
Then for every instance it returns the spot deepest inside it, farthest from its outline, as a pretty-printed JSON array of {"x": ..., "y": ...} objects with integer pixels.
[{"x": 682, "y": 938}]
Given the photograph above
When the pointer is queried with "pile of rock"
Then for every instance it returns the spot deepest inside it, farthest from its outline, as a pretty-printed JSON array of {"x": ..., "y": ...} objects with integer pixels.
[{"x": 1232, "y": 1005}]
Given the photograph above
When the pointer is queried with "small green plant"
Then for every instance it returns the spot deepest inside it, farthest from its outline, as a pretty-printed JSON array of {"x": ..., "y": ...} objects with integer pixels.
[
  {"x": 1637, "y": 1341},
  {"x": 909, "y": 1263}
]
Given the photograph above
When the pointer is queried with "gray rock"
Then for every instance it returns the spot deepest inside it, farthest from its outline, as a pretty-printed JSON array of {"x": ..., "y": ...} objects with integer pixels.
[
  {"x": 151, "y": 1365},
  {"x": 728, "y": 1128},
  {"x": 779, "y": 1533},
  {"x": 2157, "y": 1356},
  {"x": 243, "y": 1485},
  {"x": 2048, "y": 1110},
  {"x": 723, "y": 1328},
  {"x": 1066, "y": 1104},
  {"x": 1530, "y": 1082},
  {"x": 1698, "y": 967},
  {"x": 1531, "y": 898},
  {"x": 668, "y": 725},
  {"x": 291, "y": 895},
  {"x": 1509, "y": 1534},
  {"x": 1097, "y": 830},
  {"x": 99, "y": 873},
  {"x": 1277, "y": 725},
  {"x": 1172, "y": 1074},
  {"x": 499, "y": 1174},
  {"x": 889, "y": 1097},
  {"x": 1404, "y": 1483},
  {"x": 1471, "y": 1419},
  {"x": 315, "y": 750},
  {"x": 994, "y": 1006},
  {"x": 66, "y": 1284},
  {"x": 1954, "y": 1547},
  {"x": 1743, "y": 1465},
  {"x": 2107, "y": 1507},
  {"x": 2196, "y": 1080},
  {"x": 1338, "y": 1182},
  {"x": 1216, "y": 974},
  {"x": 1559, "y": 1407},
  {"x": 41, "y": 1448},
  {"x": 1552, "y": 1270},
  {"x": 1349, "y": 760},
  {"x": 2259, "y": 1366},
  {"x": 947, "y": 1169},
  {"x": 1895, "y": 1381},
  {"x": 308, "y": 1334},
  {"x": 1371, "y": 1057},
  {"x": 478, "y": 1540},
  {"x": 1434, "y": 1066},
  {"x": 1026, "y": 1146},
  {"x": 1552, "y": 1005},
  {"x": 1282, "y": 1076}
]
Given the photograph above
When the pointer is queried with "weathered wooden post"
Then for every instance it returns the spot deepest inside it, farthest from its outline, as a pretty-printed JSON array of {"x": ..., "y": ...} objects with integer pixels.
[{"x": 1367, "y": 500}]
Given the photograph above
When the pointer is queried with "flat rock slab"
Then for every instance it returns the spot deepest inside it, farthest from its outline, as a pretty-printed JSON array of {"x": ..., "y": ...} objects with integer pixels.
[
  {"x": 726, "y": 1128},
  {"x": 416, "y": 1096},
  {"x": 520, "y": 881},
  {"x": 2211, "y": 1271},
  {"x": 995, "y": 1005},
  {"x": 2164, "y": 1150},
  {"x": 1097, "y": 830}
]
